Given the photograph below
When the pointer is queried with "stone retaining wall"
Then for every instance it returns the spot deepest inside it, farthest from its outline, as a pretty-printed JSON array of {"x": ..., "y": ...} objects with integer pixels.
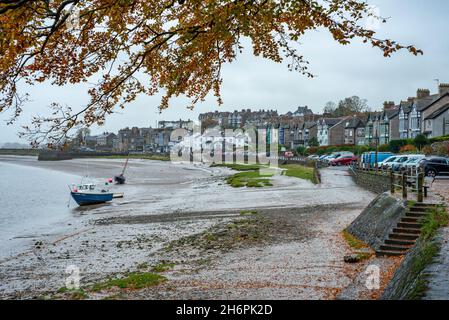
[
  {"x": 370, "y": 181},
  {"x": 409, "y": 282},
  {"x": 375, "y": 223}
]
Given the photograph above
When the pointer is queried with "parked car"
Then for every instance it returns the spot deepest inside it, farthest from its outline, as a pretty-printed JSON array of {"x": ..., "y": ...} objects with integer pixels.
[
  {"x": 412, "y": 162},
  {"x": 399, "y": 162},
  {"x": 344, "y": 160},
  {"x": 321, "y": 158},
  {"x": 387, "y": 162},
  {"x": 435, "y": 166},
  {"x": 337, "y": 155},
  {"x": 288, "y": 154},
  {"x": 313, "y": 157}
]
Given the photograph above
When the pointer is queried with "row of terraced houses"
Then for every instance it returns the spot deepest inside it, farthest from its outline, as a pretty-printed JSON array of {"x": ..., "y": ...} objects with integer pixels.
[{"x": 424, "y": 113}]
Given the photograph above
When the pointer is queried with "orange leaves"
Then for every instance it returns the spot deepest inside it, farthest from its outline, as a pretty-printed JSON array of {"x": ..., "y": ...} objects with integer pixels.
[{"x": 175, "y": 47}]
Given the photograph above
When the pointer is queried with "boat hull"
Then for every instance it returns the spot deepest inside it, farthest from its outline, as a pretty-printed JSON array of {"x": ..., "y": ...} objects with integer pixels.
[
  {"x": 84, "y": 199},
  {"x": 120, "y": 179}
]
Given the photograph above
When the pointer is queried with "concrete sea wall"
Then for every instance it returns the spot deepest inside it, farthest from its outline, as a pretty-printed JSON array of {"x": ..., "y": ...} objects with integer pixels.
[
  {"x": 409, "y": 281},
  {"x": 374, "y": 224},
  {"x": 65, "y": 155},
  {"x": 423, "y": 272}
]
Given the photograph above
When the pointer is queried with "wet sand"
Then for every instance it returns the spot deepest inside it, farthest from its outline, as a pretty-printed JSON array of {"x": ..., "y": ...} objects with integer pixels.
[{"x": 165, "y": 202}]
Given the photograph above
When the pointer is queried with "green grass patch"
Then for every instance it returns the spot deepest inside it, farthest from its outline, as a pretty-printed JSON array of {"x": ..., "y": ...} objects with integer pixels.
[
  {"x": 353, "y": 242},
  {"x": 248, "y": 212},
  {"x": 163, "y": 266},
  {"x": 436, "y": 218},
  {"x": 134, "y": 280},
  {"x": 411, "y": 203},
  {"x": 74, "y": 294},
  {"x": 299, "y": 171},
  {"x": 250, "y": 179}
]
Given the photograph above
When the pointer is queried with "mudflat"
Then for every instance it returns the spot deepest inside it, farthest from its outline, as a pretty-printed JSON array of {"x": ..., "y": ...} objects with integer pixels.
[{"x": 205, "y": 239}]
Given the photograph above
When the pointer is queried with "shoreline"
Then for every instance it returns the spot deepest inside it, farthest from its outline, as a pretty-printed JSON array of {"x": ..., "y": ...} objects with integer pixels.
[
  {"x": 109, "y": 253},
  {"x": 114, "y": 240}
]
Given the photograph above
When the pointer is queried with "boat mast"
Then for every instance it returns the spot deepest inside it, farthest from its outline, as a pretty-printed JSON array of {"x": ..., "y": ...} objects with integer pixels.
[{"x": 126, "y": 164}]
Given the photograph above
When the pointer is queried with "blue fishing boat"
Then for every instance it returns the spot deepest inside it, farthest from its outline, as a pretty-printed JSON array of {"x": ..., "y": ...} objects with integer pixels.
[{"x": 86, "y": 194}]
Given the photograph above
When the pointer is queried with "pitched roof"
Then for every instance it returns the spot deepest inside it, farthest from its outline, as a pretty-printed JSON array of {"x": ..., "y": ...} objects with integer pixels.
[
  {"x": 373, "y": 115},
  {"x": 393, "y": 112},
  {"x": 438, "y": 112},
  {"x": 355, "y": 123},
  {"x": 406, "y": 106},
  {"x": 309, "y": 124},
  {"x": 331, "y": 121},
  {"x": 423, "y": 104}
]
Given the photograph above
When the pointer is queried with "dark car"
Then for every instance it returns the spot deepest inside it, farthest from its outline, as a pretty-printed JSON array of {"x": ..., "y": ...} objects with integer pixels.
[{"x": 435, "y": 166}]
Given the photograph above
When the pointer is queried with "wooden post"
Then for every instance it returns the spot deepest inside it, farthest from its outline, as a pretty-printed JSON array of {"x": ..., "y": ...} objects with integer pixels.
[
  {"x": 391, "y": 182},
  {"x": 404, "y": 185},
  {"x": 420, "y": 187}
]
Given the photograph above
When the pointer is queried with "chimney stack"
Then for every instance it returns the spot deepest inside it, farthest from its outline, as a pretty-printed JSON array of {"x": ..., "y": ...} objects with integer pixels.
[
  {"x": 422, "y": 93},
  {"x": 389, "y": 105},
  {"x": 411, "y": 99},
  {"x": 443, "y": 88}
]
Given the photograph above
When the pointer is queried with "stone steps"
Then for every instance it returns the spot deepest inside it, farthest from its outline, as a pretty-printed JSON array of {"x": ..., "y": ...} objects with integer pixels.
[
  {"x": 424, "y": 211},
  {"x": 404, "y": 236},
  {"x": 389, "y": 253},
  {"x": 416, "y": 215},
  {"x": 410, "y": 225},
  {"x": 424, "y": 205},
  {"x": 413, "y": 220},
  {"x": 406, "y": 232},
  {"x": 394, "y": 247},
  {"x": 402, "y": 242}
]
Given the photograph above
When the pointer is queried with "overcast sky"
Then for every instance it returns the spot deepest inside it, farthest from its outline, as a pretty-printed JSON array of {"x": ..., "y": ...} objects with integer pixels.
[{"x": 341, "y": 71}]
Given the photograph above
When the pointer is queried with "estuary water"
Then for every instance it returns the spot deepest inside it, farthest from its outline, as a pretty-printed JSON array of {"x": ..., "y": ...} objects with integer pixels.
[{"x": 32, "y": 201}]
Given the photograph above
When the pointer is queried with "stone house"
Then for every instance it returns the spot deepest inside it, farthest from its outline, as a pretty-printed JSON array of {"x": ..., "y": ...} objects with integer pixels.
[
  {"x": 129, "y": 140},
  {"x": 310, "y": 131},
  {"x": 372, "y": 128},
  {"x": 434, "y": 120},
  {"x": 337, "y": 133},
  {"x": 300, "y": 112},
  {"x": 354, "y": 131},
  {"x": 393, "y": 125},
  {"x": 331, "y": 131},
  {"x": 323, "y": 127},
  {"x": 239, "y": 119},
  {"x": 403, "y": 116},
  {"x": 437, "y": 123},
  {"x": 416, "y": 109},
  {"x": 105, "y": 141},
  {"x": 297, "y": 135}
]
